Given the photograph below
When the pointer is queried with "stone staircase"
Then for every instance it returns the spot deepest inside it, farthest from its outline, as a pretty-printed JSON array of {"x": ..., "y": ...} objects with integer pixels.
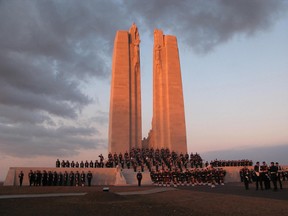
[{"x": 130, "y": 177}]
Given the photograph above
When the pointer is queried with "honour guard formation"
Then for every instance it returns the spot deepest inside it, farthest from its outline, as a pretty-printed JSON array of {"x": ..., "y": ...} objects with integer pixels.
[{"x": 167, "y": 168}]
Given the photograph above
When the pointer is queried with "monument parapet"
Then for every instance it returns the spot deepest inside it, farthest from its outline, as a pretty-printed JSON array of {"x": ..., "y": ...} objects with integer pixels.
[{"x": 101, "y": 176}]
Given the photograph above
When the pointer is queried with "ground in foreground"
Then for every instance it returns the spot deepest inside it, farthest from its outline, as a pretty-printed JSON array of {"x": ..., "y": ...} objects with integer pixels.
[{"x": 230, "y": 199}]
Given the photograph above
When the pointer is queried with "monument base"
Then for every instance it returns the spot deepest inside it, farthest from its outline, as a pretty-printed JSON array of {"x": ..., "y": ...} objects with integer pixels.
[
  {"x": 101, "y": 176},
  {"x": 106, "y": 176}
]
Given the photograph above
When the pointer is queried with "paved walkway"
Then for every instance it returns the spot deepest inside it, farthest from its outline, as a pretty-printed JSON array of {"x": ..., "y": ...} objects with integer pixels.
[
  {"x": 156, "y": 190},
  {"x": 40, "y": 195},
  {"x": 17, "y": 196}
]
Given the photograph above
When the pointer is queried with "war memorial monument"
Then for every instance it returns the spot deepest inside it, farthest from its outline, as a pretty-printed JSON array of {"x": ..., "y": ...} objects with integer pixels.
[
  {"x": 125, "y": 122},
  {"x": 168, "y": 123}
]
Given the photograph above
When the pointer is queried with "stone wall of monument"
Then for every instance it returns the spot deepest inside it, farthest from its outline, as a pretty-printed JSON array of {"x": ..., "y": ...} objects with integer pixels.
[
  {"x": 168, "y": 123},
  {"x": 125, "y": 126}
]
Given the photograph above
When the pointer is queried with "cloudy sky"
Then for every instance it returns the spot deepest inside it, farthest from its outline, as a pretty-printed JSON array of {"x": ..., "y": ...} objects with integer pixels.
[{"x": 55, "y": 70}]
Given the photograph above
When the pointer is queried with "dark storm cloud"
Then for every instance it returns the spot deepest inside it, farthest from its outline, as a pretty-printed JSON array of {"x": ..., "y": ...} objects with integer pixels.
[
  {"x": 203, "y": 25},
  {"x": 50, "y": 49}
]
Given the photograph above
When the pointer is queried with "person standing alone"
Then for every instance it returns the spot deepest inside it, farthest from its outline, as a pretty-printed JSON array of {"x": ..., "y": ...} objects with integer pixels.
[
  {"x": 21, "y": 175},
  {"x": 139, "y": 178}
]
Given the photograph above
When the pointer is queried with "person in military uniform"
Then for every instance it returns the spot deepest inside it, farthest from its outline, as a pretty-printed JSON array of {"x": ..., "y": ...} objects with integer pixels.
[
  {"x": 182, "y": 177},
  {"x": 273, "y": 170},
  {"x": 57, "y": 163},
  {"x": 31, "y": 177},
  {"x": 222, "y": 176},
  {"x": 101, "y": 160},
  {"x": 139, "y": 178},
  {"x": 258, "y": 177},
  {"x": 60, "y": 179},
  {"x": 35, "y": 178},
  {"x": 265, "y": 175},
  {"x": 81, "y": 164},
  {"x": 157, "y": 165},
  {"x": 44, "y": 178},
  {"x": 77, "y": 178},
  {"x": 142, "y": 166},
  {"x": 128, "y": 163},
  {"x": 21, "y": 176},
  {"x": 39, "y": 177},
  {"x": 71, "y": 178},
  {"x": 89, "y": 177},
  {"x": 72, "y": 164},
  {"x": 65, "y": 178},
  {"x": 279, "y": 175},
  {"x": 86, "y": 164},
  {"x": 55, "y": 178},
  {"x": 188, "y": 177},
  {"x": 83, "y": 178},
  {"x": 63, "y": 164},
  {"x": 241, "y": 174},
  {"x": 246, "y": 177},
  {"x": 174, "y": 177},
  {"x": 50, "y": 178},
  {"x": 67, "y": 164},
  {"x": 153, "y": 176},
  {"x": 91, "y": 164},
  {"x": 166, "y": 178},
  {"x": 134, "y": 164}
]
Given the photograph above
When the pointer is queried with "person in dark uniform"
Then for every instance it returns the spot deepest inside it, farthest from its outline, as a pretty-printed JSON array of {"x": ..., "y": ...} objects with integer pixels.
[
  {"x": 39, "y": 178},
  {"x": 60, "y": 179},
  {"x": 86, "y": 164},
  {"x": 246, "y": 177},
  {"x": 63, "y": 164},
  {"x": 65, "y": 178},
  {"x": 265, "y": 175},
  {"x": 81, "y": 164},
  {"x": 50, "y": 178},
  {"x": 83, "y": 177},
  {"x": 57, "y": 163},
  {"x": 89, "y": 178},
  {"x": 139, "y": 178},
  {"x": 35, "y": 178},
  {"x": 21, "y": 176},
  {"x": 31, "y": 177},
  {"x": 67, "y": 164},
  {"x": 142, "y": 166},
  {"x": 273, "y": 170},
  {"x": 44, "y": 178},
  {"x": 258, "y": 177},
  {"x": 55, "y": 178},
  {"x": 91, "y": 164},
  {"x": 71, "y": 178},
  {"x": 128, "y": 163},
  {"x": 279, "y": 173},
  {"x": 72, "y": 164},
  {"x": 77, "y": 178}
]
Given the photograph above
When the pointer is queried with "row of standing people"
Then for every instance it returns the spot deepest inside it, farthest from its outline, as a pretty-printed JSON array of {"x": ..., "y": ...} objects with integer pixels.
[
  {"x": 49, "y": 178},
  {"x": 224, "y": 163},
  {"x": 264, "y": 174},
  {"x": 82, "y": 164},
  {"x": 189, "y": 177}
]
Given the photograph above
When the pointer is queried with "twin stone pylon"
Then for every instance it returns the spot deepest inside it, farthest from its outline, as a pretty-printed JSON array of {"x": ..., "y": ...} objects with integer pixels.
[{"x": 168, "y": 122}]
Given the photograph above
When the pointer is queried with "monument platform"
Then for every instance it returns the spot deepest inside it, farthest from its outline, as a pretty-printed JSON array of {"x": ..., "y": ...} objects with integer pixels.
[
  {"x": 106, "y": 176},
  {"x": 101, "y": 176}
]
